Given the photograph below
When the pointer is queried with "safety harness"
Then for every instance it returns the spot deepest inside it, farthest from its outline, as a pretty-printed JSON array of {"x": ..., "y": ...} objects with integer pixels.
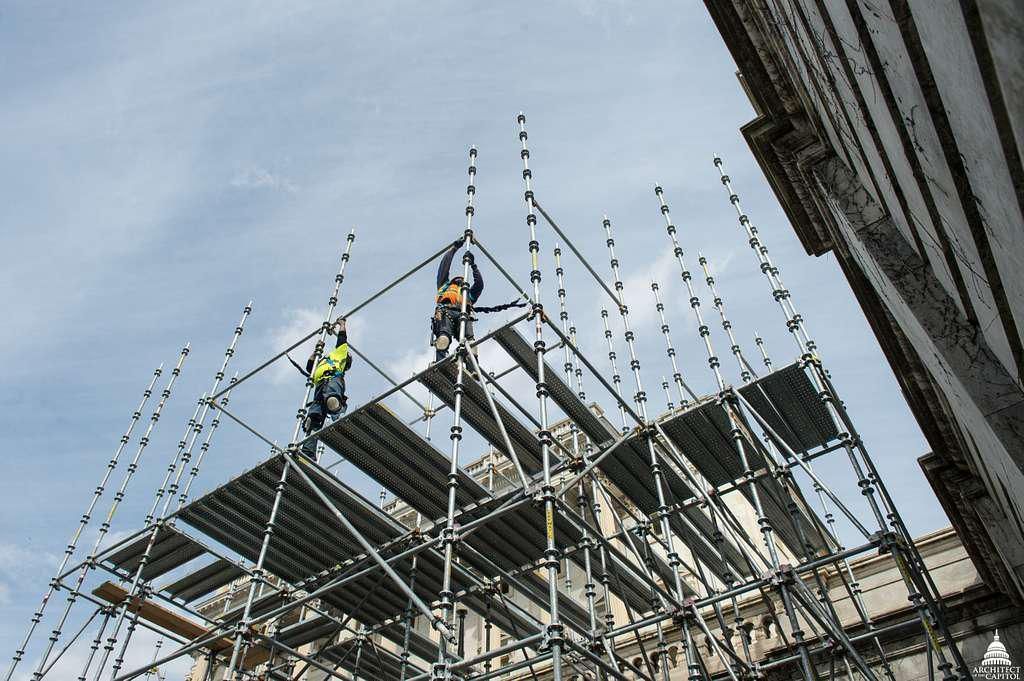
[
  {"x": 332, "y": 364},
  {"x": 448, "y": 295}
]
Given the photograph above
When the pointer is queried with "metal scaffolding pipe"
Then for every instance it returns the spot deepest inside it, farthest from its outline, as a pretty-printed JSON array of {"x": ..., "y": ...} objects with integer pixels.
[
  {"x": 767, "y": 531},
  {"x": 136, "y": 582},
  {"x": 670, "y": 350},
  {"x": 640, "y": 399},
  {"x": 554, "y": 628},
  {"x": 72, "y": 545},
  {"x": 746, "y": 371},
  {"x": 448, "y": 537},
  {"x": 104, "y": 527}
]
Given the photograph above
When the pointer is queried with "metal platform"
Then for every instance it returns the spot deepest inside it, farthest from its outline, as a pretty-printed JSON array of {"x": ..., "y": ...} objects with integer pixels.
[
  {"x": 585, "y": 419},
  {"x": 702, "y": 433},
  {"x": 517, "y": 539},
  {"x": 171, "y": 550},
  {"x": 629, "y": 465},
  {"x": 206, "y": 580},
  {"x": 308, "y": 540},
  {"x": 236, "y": 515},
  {"x": 440, "y": 380},
  {"x": 787, "y": 399},
  {"x": 374, "y": 440}
]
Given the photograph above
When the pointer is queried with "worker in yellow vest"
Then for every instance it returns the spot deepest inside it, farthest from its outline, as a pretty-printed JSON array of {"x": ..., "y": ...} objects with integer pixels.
[
  {"x": 445, "y": 324},
  {"x": 328, "y": 376}
]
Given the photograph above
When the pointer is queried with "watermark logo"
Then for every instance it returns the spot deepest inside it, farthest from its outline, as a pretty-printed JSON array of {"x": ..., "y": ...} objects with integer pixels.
[{"x": 997, "y": 663}]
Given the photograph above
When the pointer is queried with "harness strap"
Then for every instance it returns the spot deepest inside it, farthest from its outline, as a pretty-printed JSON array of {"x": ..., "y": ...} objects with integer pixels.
[{"x": 499, "y": 308}]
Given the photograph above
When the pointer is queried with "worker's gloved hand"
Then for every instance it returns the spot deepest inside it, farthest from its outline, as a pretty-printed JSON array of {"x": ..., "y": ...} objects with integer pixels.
[{"x": 470, "y": 258}]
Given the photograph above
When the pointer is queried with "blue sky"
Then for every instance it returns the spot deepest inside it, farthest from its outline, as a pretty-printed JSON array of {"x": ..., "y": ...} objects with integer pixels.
[{"x": 164, "y": 163}]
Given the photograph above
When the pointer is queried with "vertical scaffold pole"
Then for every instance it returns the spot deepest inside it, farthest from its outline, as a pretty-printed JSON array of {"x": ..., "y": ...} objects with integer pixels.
[
  {"x": 551, "y": 553},
  {"x": 137, "y": 581},
  {"x": 203, "y": 449},
  {"x": 172, "y": 466},
  {"x": 104, "y": 527},
  {"x": 794, "y": 322},
  {"x": 922, "y": 595},
  {"x": 318, "y": 348},
  {"x": 718, "y": 537},
  {"x": 592, "y": 502},
  {"x": 767, "y": 531},
  {"x": 593, "y": 505},
  {"x": 746, "y": 372},
  {"x": 72, "y": 545},
  {"x": 257, "y": 580},
  {"x": 669, "y": 404},
  {"x": 577, "y": 451},
  {"x": 640, "y": 399},
  {"x": 441, "y": 671},
  {"x": 193, "y": 472},
  {"x": 408, "y": 614},
  {"x": 759, "y": 342},
  {"x": 670, "y": 350},
  {"x": 616, "y": 377}
]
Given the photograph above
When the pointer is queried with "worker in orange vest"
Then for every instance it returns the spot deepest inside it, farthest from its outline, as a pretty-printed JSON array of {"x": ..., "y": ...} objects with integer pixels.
[{"x": 445, "y": 324}]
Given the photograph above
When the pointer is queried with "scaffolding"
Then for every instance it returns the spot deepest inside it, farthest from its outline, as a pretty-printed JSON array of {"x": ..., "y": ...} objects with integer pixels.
[{"x": 315, "y": 577}]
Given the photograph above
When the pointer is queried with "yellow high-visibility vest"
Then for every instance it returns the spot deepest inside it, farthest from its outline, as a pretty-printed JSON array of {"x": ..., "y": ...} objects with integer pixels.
[{"x": 331, "y": 364}]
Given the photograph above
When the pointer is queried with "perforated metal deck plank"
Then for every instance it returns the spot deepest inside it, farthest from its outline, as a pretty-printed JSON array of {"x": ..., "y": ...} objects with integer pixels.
[
  {"x": 524, "y": 355},
  {"x": 170, "y": 550},
  {"x": 702, "y": 433},
  {"x": 236, "y": 516},
  {"x": 382, "y": 446},
  {"x": 787, "y": 400},
  {"x": 204, "y": 581},
  {"x": 440, "y": 380}
]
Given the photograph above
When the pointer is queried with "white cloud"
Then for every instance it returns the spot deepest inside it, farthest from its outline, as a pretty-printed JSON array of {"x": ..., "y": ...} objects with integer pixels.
[
  {"x": 20, "y": 560},
  {"x": 643, "y": 315},
  {"x": 721, "y": 265},
  {"x": 254, "y": 177},
  {"x": 112, "y": 538},
  {"x": 299, "y": 322},
  {"x": 412, "y": 362}
]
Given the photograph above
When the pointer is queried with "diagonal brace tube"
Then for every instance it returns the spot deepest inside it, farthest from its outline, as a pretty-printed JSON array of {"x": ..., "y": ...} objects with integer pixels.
[
  {"x": 501, "y": 424},
  {"x": 438, "y": 623}
]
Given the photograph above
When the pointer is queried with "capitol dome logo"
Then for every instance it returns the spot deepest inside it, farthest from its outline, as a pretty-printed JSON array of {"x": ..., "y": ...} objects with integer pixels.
[{"x": 996, "y": 664}]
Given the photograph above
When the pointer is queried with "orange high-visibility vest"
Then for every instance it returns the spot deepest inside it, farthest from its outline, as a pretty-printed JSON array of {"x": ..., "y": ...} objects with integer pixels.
[{"x": 449, "y": 295}]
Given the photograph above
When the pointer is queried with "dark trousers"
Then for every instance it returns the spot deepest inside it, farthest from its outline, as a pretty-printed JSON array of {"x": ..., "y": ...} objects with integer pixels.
[
  {"x": 446, "y": 322},
  {"x": 316, "y": 412}
]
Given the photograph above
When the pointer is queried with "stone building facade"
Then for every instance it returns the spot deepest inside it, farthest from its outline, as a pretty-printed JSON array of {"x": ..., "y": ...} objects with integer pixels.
[{"x": 890, "y": 131}]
